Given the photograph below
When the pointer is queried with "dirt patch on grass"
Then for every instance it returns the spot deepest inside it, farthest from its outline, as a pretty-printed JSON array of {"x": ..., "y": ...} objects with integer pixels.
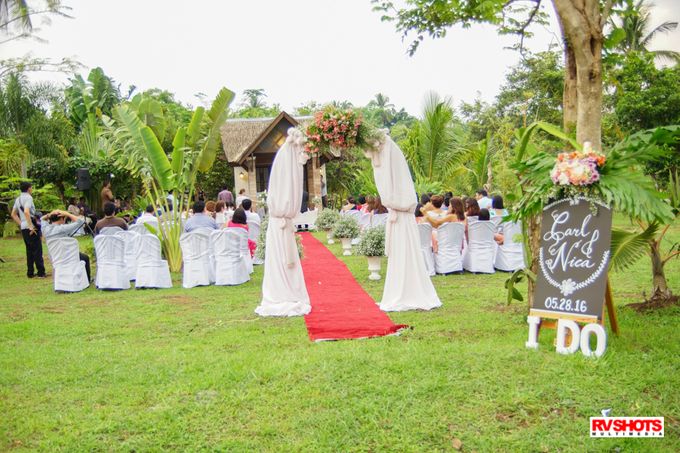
[
  {"x": 52, "y": 309},
  {"x": 655, "y": 303}
]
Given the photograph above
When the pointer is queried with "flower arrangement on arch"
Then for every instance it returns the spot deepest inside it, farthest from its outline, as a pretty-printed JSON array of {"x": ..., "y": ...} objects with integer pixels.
[{"x": 335, "y": 129}]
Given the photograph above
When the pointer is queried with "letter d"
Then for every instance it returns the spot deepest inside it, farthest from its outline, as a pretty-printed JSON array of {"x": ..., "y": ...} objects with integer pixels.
[{"x": 562, "y": 326}]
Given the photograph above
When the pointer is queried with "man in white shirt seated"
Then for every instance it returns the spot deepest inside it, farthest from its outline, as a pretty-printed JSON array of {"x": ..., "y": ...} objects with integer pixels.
[
  {"x": 247, "y": 206},
  {"x": 147, "y": 216},
  {"x": 483, "y": 199},
  {"x": 200, "y": 219},
  {"x": 58, "y": 228},
  {"x": 241, "y": 196}
]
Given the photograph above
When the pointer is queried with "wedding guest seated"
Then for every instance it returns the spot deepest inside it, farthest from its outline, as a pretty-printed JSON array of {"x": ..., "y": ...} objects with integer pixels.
[
  {"x": 351, "y": 205},
  {"x": 455, "y": 213},
  {"x": 210, "y": 208},
  {"x": 484, "y": 214},
  {"x": 199, "y": 219},
  {"x": 110, "y": 219},
  {"x": 86, "y": 211},
  {"x": 361, "y": 204},
  {"x": 221, "y": 218},
  {"x": 471, "y": 207},
  {"x": 378, "y": 207},
  {"x": 58, "y": 228},
  {"x": 424, "y": 199},
  {"x": 436, "y": 201},
  {"x": 483, "y": 199},
  {"x": 447, "y": 200},
  {"x": 147, "y": 216},
  {"x": 73, "y": 207},
  {"x": 497, "y": 208},
  {"x": 420, "y": 217},
  {"x": 247, "y": 206},
  {"x": 239, "y": 220},
  {"x": 241, "y": 196}
]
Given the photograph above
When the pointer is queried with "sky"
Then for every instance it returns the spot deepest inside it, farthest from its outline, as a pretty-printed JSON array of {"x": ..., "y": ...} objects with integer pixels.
[{"x": 297, "y": 51}]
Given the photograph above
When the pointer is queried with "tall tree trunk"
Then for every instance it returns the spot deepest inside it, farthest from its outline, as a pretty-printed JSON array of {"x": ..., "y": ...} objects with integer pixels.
[
  {"x": 660, "y": 285},
  {"x": 581, "y": 24},
  {"x": 570, "y": 96},
  {"x": 534, "y": 231}
]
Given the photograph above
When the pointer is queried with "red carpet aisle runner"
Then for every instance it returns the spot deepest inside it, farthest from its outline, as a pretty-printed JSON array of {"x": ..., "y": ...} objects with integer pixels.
[{"x": 341, "y": 309}]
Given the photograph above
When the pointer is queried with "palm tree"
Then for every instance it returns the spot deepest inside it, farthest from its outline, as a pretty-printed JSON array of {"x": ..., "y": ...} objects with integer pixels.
[
  {"x": 15, "y": 11},
  {"x": 433, "y": 147},
  {"x": 254, "y": 98},
  {"x": 631, "y": 28},
  {"x": 384, "y": 109}
]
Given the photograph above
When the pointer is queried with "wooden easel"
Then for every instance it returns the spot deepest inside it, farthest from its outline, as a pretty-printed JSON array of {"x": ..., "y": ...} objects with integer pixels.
[{"x": 551, "y": 323}]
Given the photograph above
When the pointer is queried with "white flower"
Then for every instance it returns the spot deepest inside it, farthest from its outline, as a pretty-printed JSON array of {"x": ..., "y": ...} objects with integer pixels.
[{"x": 567, "y": 287}]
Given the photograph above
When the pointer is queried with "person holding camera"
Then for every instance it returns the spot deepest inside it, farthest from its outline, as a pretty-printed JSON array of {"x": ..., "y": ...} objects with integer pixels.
[
  {"x": 24, "y": 214},
  {"x": 58, "y": 228}
]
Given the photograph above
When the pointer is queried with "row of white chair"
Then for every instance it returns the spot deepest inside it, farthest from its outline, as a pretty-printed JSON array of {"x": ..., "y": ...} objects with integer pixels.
[
  {"x": 365, "y": 220},
  {"x": 219, "y": 257},
  {"x": 479, "y": 254}
]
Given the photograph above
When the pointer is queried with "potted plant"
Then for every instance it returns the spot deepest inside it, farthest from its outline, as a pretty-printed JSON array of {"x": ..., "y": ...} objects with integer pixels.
[
  {"x": 326, "y": 220},
  {"x": 372, "y": 246},
  {"x": 346, "y": 229}
]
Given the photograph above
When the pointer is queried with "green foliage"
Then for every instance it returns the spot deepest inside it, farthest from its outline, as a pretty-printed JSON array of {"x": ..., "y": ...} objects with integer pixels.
[
  {"x": 12, "y": 155},
  {"x": 627, "y": 247},
  {"x": 372, "y": 242},
  {"x": 95, "y": 96},
  {"x": 327, "y": 219},
  {"x": 346, "y": 227},
  {"x": 433, "y": 148}
]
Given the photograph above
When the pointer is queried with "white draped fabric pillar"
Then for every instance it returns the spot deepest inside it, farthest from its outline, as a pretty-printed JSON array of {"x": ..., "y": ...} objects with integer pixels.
[
  {"x": 407, "y": 284},
  {"x": 283, "y": 289}
]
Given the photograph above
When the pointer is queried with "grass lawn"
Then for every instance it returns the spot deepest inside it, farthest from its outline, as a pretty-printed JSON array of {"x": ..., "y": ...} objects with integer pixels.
[{"x": 198, "y": 370}]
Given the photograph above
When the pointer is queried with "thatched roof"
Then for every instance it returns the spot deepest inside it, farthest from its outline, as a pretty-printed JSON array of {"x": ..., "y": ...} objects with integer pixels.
[{"x": 240, "y": 136}]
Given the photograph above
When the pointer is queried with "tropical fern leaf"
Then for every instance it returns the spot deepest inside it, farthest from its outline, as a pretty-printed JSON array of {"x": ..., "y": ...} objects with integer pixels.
[{"x": 627, "y": 247}]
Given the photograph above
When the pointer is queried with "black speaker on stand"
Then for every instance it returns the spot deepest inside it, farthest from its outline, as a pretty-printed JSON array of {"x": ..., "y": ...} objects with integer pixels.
[{"x": 83, "y": 181}]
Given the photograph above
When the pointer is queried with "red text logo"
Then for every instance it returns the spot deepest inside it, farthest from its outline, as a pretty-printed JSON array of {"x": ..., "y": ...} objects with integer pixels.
[{"x": 626, "y": 426}]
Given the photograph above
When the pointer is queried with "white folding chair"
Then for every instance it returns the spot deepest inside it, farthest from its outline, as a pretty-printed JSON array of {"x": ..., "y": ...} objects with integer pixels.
[
  {"x": 230, "y": 266},
  {"x": 131, "y": 241},
  {"x": 152, "y": 270},
  {"x": 253, "y": 234},
  {"x": 425, "y": 235},
  {"x": 69, "y": 272},
  {"x": 111, "y": 272},
  {"x": 196, "y": 257},
  {"x": 510, "y": 255},
  {"x": 448, "y": 258},
  {"x": 479, "y": 254}
]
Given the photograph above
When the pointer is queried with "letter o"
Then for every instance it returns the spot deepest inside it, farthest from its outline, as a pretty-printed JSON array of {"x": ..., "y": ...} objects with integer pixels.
[{"x": 601, "y": 335}]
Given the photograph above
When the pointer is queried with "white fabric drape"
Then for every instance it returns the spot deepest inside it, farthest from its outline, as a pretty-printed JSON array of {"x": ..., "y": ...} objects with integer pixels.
[
  {"x": 407, "y": 284},
  {"x": 283, "y": 288}
]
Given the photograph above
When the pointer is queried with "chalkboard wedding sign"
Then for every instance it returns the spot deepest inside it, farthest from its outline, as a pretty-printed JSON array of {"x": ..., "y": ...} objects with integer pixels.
[{"x": 573, "y": 260}]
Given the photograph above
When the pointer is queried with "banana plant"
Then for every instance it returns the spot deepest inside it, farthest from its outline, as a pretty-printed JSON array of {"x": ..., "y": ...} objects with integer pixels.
[{"x": 195, "y": 147}]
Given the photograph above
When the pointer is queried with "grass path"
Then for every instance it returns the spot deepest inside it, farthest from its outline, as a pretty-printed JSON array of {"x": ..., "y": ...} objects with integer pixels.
[{"x": 198, "y": 370}]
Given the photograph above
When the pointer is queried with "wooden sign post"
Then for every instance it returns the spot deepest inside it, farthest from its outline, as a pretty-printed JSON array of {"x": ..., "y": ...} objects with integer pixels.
[{"x": 572, "y": 282}]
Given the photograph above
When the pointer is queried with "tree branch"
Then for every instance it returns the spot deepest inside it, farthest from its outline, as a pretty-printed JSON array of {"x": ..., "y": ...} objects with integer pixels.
[{"x": 670, "y": 256}]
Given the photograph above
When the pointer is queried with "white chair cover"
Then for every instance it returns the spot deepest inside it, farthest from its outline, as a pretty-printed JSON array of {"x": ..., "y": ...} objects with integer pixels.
[
  {"x": 449, "y": 258},
  {"x": 69, "y": 271},
  {"x": 479, "y": 254},
  {"x": 496, "y": 220},
  {"x": 245, "y": 252},
  {"x": 152, "y": 270},
  {"x": 230, "y": 267},
  {"x": 425, "y": 234},
  {"x": 407, "y": 284},
  {"x": 110, "y": 230},
  {"x": 111, "y": 270},
  {"x": 283, "y": 287},
  {"x": 131, "y": 241},
  {"x": 196, "y": 257},
  {"x": 379, "y": 219},
  {"x": 253, "y": 234},
  {"x": 141, "y": 229},
  {"x": 510, "y": 255}
]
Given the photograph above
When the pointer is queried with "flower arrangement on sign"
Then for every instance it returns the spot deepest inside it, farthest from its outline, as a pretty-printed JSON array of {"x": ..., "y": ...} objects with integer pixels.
[
  {"x": 574, "y": 172},
  {"x": 372, "y": 242},
  {"x": 334, "y": 130}
]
